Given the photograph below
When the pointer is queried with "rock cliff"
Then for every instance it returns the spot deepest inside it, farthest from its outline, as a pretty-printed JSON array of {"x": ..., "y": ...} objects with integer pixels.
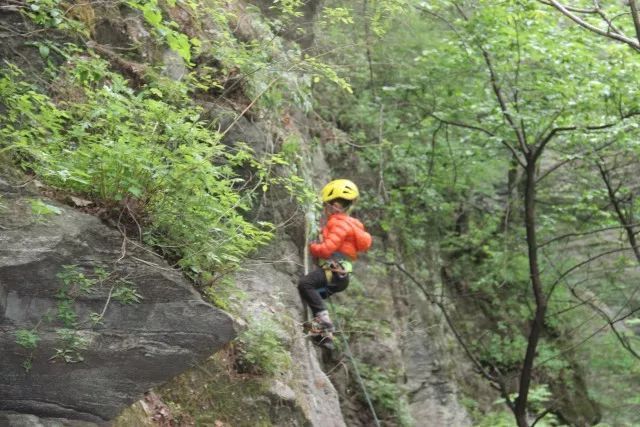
[{"x": 107, "y": 320}]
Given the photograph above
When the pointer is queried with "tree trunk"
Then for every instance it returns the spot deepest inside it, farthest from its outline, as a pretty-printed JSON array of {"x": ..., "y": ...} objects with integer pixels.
[{"x": 520, "y": 409}]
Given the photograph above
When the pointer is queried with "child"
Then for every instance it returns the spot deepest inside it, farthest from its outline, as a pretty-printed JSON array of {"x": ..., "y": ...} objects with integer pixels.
[{"x": 340, "y": 241}]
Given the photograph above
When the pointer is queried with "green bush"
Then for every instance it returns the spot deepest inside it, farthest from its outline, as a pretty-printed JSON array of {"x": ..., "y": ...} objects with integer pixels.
[
  {"x": 159, "y": 165},
  {"x": 262, "y": 350},
  {"x": 385, "y": 393}
]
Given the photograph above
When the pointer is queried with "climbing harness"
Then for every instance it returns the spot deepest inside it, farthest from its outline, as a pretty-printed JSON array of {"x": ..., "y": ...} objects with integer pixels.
[{"x": 338, "y": 265}]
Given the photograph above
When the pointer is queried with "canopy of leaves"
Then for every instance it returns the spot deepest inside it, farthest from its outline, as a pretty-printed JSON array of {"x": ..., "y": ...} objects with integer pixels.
[{"x": 447, "y": 103}]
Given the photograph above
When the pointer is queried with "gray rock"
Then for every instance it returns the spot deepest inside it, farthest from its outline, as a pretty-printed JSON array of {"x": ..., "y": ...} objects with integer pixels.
[
  {"x": 433, "y": 394},
  {"x": 134, "y": 346},
  {"x": 14, "y": 419},
  {"x": 307, "y": 391}
]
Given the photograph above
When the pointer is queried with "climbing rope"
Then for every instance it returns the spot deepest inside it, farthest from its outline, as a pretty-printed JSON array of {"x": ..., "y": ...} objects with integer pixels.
[
  {"x": 354, "y": 364},
  {"x": 310, "y": 219}
]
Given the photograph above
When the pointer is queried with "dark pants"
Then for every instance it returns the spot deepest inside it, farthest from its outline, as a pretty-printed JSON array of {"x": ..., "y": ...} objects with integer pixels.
[{"x": 314, "y": 288}]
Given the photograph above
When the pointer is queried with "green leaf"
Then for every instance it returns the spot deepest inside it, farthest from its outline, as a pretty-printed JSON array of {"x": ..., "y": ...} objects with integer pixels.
[
  {"x": 152, "y": 14},
  {"x": 44, "y": 51}
]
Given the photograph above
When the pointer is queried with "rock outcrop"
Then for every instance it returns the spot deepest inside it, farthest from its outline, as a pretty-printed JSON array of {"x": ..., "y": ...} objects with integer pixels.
[{"x": 89, "y": 321}]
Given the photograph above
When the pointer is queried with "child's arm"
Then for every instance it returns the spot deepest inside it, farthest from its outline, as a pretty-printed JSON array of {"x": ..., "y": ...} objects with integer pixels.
[{"x": 336, "y": 233}]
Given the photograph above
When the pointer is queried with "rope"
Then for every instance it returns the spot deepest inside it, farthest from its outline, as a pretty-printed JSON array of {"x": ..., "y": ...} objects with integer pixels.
[
  {"x": 355, "y": 366},
  {"x": 310, "y": 220}
]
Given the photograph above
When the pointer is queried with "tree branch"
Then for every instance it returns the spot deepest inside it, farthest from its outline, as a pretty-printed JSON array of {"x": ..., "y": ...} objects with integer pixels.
[
  {"x": 616, "y": 203},
  {"x": 611, "y": 322},
  {"x": 635, "y": 44},
  {"x": 503, "y": 103},
  {"x": 636, "y": 19},
  {"x": 556, "y": 166},
  {"x": 495, "y": 381},
  {"x": 553, "y": 132},
  {"x": 586, "y": 233},
  {"x": 573, "y": 9},
  {"x": 541, "y": 416},
  {"x": 461, "y": 124},
  {"x": 497, "y": 90},
  {"x": 587, "y": 261}
]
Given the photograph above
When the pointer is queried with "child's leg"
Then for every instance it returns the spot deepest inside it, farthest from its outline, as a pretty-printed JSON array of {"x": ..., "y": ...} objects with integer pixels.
[
  {"x": 338, "y": 284},
  {"x": 308, "y": 287}
]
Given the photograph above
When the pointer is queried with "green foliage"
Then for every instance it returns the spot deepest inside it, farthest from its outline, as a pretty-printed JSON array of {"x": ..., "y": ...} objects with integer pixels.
[
  {"x": 386, "y": 393},
  {"x": 74, "y": 284},
  {"x": 27, "y": 338},
  {"x": 223, "y": 293},
  {"x": 357, "y": 314},
  {"x": 489, "y": 419},
  {"x": 177, "y": 41},
  {"x": 335, "y": 15},
  {"x": 41, "y": 209},
  {"x": 262, "y": 349},
  {"x": 614, "y": 376},
  {"x": 72, "y": 343},
  {"x": 289, "y": 7},
  {"x": 125, "y": 292},
  {"x": 447, "y": 190},
  {"x": 497, "y": 419},
  {"x": 133, "y": 149},
  {"x": 52, "y": 14}
]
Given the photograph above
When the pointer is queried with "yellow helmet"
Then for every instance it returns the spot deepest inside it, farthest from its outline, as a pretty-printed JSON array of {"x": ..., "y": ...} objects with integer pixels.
[{"x": 340, "y": 189}]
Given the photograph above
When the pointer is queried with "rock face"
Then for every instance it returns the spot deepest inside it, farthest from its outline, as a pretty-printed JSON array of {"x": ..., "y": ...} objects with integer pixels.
[
  {"x": 115, "y": 350},
  {"x": 433, "y": 394},
  {"x": 307, "y": 391}
]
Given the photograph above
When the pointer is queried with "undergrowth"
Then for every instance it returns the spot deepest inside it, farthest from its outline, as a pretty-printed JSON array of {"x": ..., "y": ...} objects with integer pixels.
[
  {"x": 157, "y": 164},
  {"x": 262, "y": 349}
]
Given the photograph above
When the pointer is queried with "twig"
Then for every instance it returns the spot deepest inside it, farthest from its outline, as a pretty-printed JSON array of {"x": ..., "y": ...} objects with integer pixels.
[
  {"x": 106, "y": 304},
  {"x": 586, "y": 233}
]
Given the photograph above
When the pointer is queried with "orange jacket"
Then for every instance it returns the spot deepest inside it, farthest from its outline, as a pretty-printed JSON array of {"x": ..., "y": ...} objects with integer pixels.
[{"x": 342, "y": 234}]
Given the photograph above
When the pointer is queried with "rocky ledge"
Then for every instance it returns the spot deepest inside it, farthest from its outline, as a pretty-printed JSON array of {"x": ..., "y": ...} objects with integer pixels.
[{"x": 88, "y": 321}]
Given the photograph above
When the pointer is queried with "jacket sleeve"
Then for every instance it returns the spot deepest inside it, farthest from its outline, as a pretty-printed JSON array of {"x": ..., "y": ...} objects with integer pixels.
[
  {"x": 363, "y": 241},
  {"x": 337, "y": 231}
]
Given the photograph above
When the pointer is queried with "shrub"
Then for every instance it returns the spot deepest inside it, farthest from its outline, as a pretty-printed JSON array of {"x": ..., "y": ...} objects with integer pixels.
[
  {"x": 262, "y": 350},
  {"x": 158, "y": 164}
]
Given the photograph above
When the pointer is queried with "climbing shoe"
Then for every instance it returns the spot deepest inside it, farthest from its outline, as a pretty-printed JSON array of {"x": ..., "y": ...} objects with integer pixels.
[
  {"x": 324, "y": 322},
  {"x": 324, "y": 340}
]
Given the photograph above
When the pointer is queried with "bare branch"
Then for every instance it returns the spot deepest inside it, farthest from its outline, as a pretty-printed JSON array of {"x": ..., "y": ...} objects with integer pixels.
[
  {"x": 586, "y": 233},
  {"x": 611, "y": 322},
  {"x": 556, "y": 166},
  {"x": 553, "y": 132},
  {"x": 495, "y": 381},
  {"x": 461, "y": 124},
  {"x": 635, "y": 44},
  {"x": 573, "y": 9},
  {"x": 541, "y": 416},
  {"x": 587, "y": 261},
  {"x": 617, "y": 206},
  {"x": 503, "y": 103}
]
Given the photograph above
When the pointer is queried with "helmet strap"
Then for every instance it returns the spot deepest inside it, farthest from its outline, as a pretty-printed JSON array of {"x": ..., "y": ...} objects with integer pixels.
[{"x": 333, "y": 208}]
